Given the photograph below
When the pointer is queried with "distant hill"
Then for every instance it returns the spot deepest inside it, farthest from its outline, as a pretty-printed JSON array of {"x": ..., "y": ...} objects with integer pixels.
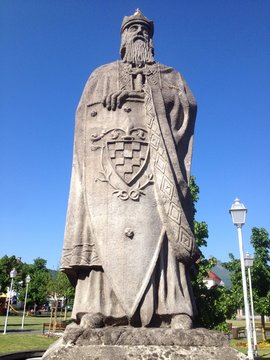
[{"x": 223, "y": 274}]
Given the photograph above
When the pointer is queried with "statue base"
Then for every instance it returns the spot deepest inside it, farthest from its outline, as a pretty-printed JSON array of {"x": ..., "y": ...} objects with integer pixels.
[{"x": 124, "y": 343}]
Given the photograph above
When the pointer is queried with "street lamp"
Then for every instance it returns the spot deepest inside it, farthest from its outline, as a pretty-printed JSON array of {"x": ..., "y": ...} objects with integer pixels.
[
  {"x": 238, "y": 212},
  {"x": 13, "y": 274},
  {"x": 248, "y": 265},
  {"x": 27, "y": 280}
]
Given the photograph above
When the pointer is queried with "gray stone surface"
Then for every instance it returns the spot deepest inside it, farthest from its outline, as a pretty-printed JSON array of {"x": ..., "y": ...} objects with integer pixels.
[
  {"x": 129, "y": 237},
  {"x": 142, "y": 343},
  {"x": 144, "y": 336},
  {"x": 147, "y": 353}
]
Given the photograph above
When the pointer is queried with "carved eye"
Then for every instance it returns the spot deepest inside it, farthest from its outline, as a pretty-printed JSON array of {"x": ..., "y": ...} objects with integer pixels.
[
  {"x": 145, "y": 30},
  {"x": 133, "y": 28}
]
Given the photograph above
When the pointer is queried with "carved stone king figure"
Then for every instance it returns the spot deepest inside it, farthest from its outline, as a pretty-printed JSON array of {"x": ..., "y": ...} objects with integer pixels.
[{"x": 129, "y": 238}]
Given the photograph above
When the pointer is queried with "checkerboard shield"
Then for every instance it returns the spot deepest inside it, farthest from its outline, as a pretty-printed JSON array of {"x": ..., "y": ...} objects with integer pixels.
[{"x": 128, "y": 158}]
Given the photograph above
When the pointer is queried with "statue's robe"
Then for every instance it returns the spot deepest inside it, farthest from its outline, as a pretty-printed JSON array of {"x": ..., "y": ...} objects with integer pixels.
[{"x": 129, "y": 237}]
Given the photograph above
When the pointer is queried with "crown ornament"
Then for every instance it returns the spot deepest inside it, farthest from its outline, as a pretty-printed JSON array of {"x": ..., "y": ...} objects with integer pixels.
[{"x": 136, "y": 18}]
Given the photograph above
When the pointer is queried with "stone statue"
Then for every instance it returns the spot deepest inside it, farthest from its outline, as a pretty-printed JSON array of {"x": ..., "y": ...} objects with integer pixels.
[{"x": 129, "y": 238}]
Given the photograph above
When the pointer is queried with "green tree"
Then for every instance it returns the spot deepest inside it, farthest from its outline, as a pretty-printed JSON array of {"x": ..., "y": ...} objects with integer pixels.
[
  {"x": 60, "y": 287},
  {"x": 40, "y": 264},
  {"x": 260, "y": 274},
  {"x": 62, "y": 292},
  {"x": 40, "y": 278},
  {"x": 216, "y": 304},
  {"x": 6, "y": 265},
  {"x": 234, "y": 267},
  {"x": 38, "y": 290}
]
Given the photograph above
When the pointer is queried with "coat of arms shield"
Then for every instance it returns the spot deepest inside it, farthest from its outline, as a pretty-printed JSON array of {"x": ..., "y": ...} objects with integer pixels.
[{"x": 128, "y": 158}]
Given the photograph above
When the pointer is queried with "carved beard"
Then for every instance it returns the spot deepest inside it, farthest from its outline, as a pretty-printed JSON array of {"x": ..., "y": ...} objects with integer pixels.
[{"x": 138, "y": 52}]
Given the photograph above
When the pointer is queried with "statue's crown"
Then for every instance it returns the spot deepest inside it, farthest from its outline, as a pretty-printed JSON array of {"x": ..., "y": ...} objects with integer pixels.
[{"x": 136, "y": 18}]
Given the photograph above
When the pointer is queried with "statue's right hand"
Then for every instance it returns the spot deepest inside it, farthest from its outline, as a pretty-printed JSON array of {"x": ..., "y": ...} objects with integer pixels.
[{"x": 115, "y": 100}]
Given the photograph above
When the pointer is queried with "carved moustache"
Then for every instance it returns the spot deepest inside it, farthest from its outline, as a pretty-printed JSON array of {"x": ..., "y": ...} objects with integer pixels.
[{"x": 139, "y": 37}]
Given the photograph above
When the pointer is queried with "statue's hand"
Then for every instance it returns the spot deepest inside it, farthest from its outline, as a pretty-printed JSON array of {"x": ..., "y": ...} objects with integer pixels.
[
  {"x": 117, "y": 99},
  {"x": 112, "y": 101}
]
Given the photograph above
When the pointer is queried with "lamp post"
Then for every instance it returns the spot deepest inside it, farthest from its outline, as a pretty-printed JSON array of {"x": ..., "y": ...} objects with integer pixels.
[
  {"x": 13, "y": 274},
  {"x": 248, "y": 264},
  {"x": 238, "y": 212},
  {"x": 27, "y": 281}
]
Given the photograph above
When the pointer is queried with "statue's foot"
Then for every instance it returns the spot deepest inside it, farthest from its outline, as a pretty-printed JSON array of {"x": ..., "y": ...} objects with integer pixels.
[
  {"x": 92, "y": 321},
  {"x": 181, "y": 322},
  {"x": 98, "y": 320}
]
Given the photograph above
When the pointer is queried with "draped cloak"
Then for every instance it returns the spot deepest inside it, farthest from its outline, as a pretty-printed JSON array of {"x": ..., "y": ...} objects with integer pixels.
[{"x": 129, "y": 235}]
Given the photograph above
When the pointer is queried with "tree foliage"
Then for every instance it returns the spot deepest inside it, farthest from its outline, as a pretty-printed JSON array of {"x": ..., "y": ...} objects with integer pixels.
[
  {"x": 6, "y": 265},
  {"x": 60, "y": 287},
  {"x": 216, "y": 304},
  {"x": 42, "y": 284},
  {"x": 260, "y": 273},
  {"x": 38, "y": 286}
]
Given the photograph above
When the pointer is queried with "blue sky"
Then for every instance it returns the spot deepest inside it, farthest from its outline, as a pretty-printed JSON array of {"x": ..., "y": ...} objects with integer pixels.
[{"x": 49, "y": 48}]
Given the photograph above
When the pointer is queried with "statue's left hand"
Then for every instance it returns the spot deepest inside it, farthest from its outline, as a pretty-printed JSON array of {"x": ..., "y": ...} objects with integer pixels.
[
  {"x": 114, "y": 100},
  {"x": 117, "y": 99}
]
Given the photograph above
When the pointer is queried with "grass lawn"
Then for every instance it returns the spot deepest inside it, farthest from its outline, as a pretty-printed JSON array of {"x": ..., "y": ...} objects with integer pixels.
[
  {"x": 30, "y": 322},
  {"x": 26, "y": 339},
  {"x": 241, "y": 344},
  {"x": 19, "y": 342}
]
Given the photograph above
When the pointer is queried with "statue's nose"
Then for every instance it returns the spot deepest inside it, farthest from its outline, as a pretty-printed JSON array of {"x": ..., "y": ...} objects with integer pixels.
[{"x": 140, "y": 30}]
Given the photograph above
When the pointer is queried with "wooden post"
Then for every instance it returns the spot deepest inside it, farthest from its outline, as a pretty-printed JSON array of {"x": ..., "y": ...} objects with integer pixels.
[
  {"x": 50, "y": 324},
  {"x": 65, "y": 316},
  {"x": 263, "y": 328},
  {"x": 55, "y": 317}
]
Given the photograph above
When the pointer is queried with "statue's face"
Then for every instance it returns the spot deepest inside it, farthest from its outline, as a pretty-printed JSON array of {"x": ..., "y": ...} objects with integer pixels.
[
  {"x": 137, "y": 45},
  {"x": 138, "y": 32}
]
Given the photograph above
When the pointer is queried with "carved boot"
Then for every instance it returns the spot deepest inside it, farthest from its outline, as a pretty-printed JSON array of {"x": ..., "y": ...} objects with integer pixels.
[
  {"x": 181, "y": 322},
  {"x": 92, "y": 321}
]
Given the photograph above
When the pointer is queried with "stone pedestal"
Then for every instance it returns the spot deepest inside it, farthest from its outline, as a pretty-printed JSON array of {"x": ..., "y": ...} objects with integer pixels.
[{"x": 124, "y": 343}]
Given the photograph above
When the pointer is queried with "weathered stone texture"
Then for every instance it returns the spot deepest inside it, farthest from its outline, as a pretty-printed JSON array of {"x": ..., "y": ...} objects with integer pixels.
[
  {"x": 129, "y": 238},
  {"x": 127, "y": 343},
  {"x": 147, "y": 353}
]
